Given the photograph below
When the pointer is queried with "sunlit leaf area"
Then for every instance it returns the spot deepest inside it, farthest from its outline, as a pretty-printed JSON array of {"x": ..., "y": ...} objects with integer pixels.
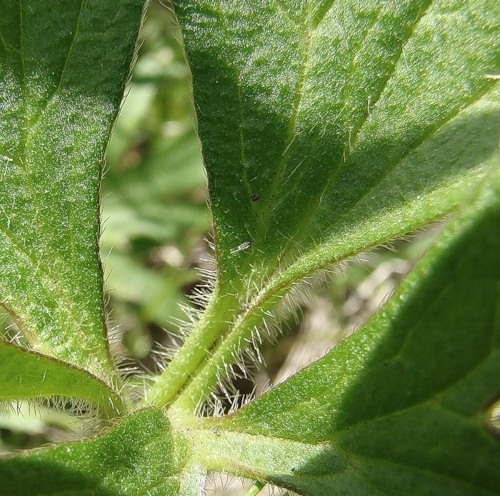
[
  {"x": 157, "y": 255},
  {"x": 156, "y": 242}
]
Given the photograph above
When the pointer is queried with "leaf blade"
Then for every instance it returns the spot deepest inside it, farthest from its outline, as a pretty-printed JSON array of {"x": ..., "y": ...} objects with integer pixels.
[
  {"x": 26, "y": 374},
  {"x": 55, "y": 121},
  {"x": 141, "y": 455},
  {"x": 309, "y": 111},
  {"x": 403, "y": 402}
]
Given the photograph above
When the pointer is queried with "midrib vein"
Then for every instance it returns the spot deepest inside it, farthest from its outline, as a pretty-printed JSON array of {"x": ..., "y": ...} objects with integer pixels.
[
  {"x": 242, "y": 141},
  {"x": 53, "y": 284},
  {"x": 432, "y": 131},
  {"x": 57, "y": 89}
]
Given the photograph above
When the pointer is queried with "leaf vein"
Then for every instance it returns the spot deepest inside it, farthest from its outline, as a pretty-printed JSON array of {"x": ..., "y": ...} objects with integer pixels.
[
  {"x": 244, "y": 164},
  {"x": 432, "y": 131},
  {"x": 38, "y": 267},
  {"x": 292, "y": 128},
  {"x": 384, "y": 83},
  {"x": 355, "y": 130},
  {"x": 322, "y": 13},
  {"x": 23, "y": 82},
  {"x": 50, "y": 98}
]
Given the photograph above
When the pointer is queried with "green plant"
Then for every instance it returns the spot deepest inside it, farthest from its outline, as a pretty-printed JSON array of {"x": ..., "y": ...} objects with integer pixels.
[{"x": 328, "y": 128}]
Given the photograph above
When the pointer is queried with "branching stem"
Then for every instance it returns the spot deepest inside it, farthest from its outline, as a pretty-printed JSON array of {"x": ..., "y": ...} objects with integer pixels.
[
  {"x": 197, "y": 347},
  {"x": 222, "y": 333}
]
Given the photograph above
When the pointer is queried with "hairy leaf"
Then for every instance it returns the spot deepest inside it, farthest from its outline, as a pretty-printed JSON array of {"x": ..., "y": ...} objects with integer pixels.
[
  {"x": 140, "y": 456},
  {"x": 401, "y": 406},
  {"x": 26, "y": 374},
  {"x": 327, "y": 129},
  {"x": 339, "y": 124},
  {"x": 63, "y": 67}
]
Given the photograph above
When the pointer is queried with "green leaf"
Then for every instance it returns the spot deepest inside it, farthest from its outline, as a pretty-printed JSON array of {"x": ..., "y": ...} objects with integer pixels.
[
  {"x": 63, "y": 71},
  {"x": 403, "y": 405},
  {"x": 327, "y": 129},
  {"x": 27, "y": 374},
  {"x": 142, "y": 455},
  {"x": 338, "y": 124}
]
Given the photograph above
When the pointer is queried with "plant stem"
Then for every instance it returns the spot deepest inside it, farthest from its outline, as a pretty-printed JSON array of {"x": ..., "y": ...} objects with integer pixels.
[
  {"x": 240, "y": 333},
  {"x": 256, "y": 488},
  {"x": 213, "y": 323},
  {"x": 225, "y": 354},
  {"x": 221, "y": 334}
]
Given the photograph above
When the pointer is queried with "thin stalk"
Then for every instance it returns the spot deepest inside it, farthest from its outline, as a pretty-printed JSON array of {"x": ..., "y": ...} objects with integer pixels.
[
  {"x": 213, "y": 323},
  {"x": 223, "y": 332},
  {"x": 256, "y": 488},
  {"x": 240, "y": 336},
  {"x": 228, "y": 349}
]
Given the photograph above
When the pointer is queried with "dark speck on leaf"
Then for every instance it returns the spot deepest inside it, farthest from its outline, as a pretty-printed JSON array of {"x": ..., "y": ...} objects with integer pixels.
[{"x": 255, "y": 197}]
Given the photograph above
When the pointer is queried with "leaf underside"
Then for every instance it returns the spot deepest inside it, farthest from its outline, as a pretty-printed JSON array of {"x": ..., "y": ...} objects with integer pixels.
[
  {"x": 26, "y": 374},
  {"x": 330, "y": 127},
  {"x": 63, "y": 69},
  {"x": 327, "y": 128},
  {"x": 139, "y": 456},
  {"x": 403, "y": 405}
]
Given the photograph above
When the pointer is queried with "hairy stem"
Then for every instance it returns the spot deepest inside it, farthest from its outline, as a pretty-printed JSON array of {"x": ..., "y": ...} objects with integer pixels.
[
  {"x": 227, "y": 351},
  {"x": 225, "y": 331},
  {"x": 213, "y": 323},
  {"x": 240, "y": 335}
]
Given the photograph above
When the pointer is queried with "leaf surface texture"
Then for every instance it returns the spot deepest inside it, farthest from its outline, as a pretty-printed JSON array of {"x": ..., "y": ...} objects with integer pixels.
[
  {"x": 402, "y": 405},
  {"x": 330, "y": 127},
  {"x": 63, "y": 69},
  {"x": 142, "y": 455}
]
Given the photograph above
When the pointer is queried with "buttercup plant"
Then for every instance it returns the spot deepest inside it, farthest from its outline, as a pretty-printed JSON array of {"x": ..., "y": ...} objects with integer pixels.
[{"x": 328, "y": 128}]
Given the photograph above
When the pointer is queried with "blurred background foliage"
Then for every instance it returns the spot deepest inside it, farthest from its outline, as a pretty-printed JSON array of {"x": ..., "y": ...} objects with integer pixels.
[
  {"x": 156, "y": 223},
  {"x": 154, "y": 205}
]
